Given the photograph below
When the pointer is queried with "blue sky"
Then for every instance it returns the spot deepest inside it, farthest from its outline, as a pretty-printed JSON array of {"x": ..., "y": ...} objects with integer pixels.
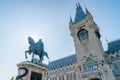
[{"x": 48, "y": 20}]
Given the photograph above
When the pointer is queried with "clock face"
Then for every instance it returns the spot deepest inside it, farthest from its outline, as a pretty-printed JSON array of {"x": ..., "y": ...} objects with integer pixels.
[{"x": 83, "y": 34}]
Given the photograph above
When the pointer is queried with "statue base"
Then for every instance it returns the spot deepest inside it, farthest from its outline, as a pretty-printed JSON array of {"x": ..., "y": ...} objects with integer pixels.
[{"x": 30, "y": 71}]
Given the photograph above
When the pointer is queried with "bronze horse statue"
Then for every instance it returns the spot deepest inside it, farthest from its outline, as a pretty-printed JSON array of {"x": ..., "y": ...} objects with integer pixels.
[{"x": 37, "y": 49}]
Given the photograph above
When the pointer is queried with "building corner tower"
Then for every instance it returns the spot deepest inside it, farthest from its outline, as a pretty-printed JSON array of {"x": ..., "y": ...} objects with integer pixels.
[{"x": 88, "y": 47}]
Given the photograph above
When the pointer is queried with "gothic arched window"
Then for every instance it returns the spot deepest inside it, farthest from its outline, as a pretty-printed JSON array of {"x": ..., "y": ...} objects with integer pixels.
[
  {"x": 89, "y": 65},
  {"x": 88, "y": 59}
]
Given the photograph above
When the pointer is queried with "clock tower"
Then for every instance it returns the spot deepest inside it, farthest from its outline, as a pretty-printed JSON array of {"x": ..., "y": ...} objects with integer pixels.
[{"x": 88, "y": 47}]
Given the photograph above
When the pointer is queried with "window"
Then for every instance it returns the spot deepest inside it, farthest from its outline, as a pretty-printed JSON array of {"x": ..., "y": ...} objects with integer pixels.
[
  {"x": 67, "y": 77},
  {"x": 89, "y": 65},
  {"x": 63, "y": 77},
  {"x": 59, "y": 77},
  {"x": 96, "y": 63},
  {"x": 70, "y": 76},
  {"x": 97, "y": 34},
  {"x": 74, "y": 76},
  {"x": 50, "y": 78},
  {"x": 53, "y": 78},
  {"x": 116, "y": 68},
  {"x": 111, "y": 57},
  {"x": 56, "y": 78},
  {"x": 117, "y": 55},
  {"x": 88, "y": 59},
  {"x": 84, "y": 67}
]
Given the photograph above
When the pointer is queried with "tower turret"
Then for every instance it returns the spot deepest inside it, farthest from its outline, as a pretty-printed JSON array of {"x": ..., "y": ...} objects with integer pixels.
[
  {"x": 71, "y": 21},
  {"x": 88, "y": 14},
  {"x": 80, "y": 15},
  {"x": 88, "y": 47}
]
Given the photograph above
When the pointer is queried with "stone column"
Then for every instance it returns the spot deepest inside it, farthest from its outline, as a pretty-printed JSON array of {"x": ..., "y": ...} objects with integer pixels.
[{"x": 64, "y": 76}]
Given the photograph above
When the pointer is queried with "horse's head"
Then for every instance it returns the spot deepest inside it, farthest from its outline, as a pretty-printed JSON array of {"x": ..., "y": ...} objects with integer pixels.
[{"x": 30, "y": 41}]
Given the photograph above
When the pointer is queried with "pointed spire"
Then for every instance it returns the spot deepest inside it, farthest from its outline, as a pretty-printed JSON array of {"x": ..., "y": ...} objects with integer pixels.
[
  {"x": 87, "y": 12},
  {"x": 80, "y": 15},
  {"x": 86, "y": 9},
  {"x": 71, "y": 21},
  {"x": 78, "y": 5}
]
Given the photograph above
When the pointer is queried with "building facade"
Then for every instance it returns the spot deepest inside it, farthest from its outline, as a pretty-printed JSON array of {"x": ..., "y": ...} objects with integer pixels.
[
  {"x": 63, "y": 69},
  {"x": 90, "y": 61},
  {"x": 112, "y": 57}
]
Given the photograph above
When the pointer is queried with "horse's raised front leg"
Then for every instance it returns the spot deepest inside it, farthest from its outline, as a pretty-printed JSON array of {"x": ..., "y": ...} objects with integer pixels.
[
  {"x": 29, "y": 52},
  {"x": 26, "y": 54}
]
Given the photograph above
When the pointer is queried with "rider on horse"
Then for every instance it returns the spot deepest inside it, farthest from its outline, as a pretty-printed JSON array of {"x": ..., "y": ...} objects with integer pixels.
[{"x": 36, "y": 48}]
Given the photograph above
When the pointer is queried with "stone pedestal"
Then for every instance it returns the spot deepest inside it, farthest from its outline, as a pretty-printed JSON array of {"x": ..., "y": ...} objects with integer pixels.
[{"x": 30, "y": 71}]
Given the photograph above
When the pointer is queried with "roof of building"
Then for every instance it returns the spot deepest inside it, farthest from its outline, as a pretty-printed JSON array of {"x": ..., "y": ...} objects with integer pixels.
[
  {"x": 113, "y": 46},
  {"x": 62, "y": 62},
  {"x": 80, "y": 15}
]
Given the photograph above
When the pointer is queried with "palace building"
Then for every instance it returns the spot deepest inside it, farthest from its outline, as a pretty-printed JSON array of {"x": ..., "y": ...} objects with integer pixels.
[{"x": 90, "y": 62}]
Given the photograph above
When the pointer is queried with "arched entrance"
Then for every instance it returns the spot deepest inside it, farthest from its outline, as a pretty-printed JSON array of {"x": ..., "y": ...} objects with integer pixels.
[{"x": 95, "y": 79}]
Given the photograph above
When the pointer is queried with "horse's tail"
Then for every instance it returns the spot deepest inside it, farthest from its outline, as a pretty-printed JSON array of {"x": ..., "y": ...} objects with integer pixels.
[
  {"x": 26, "y": 54},
  {"x": 46, "y": 54}
]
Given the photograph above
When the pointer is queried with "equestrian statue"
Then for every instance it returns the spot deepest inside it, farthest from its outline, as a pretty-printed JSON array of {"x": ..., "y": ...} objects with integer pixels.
[{"x": 36, "y": 49}]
